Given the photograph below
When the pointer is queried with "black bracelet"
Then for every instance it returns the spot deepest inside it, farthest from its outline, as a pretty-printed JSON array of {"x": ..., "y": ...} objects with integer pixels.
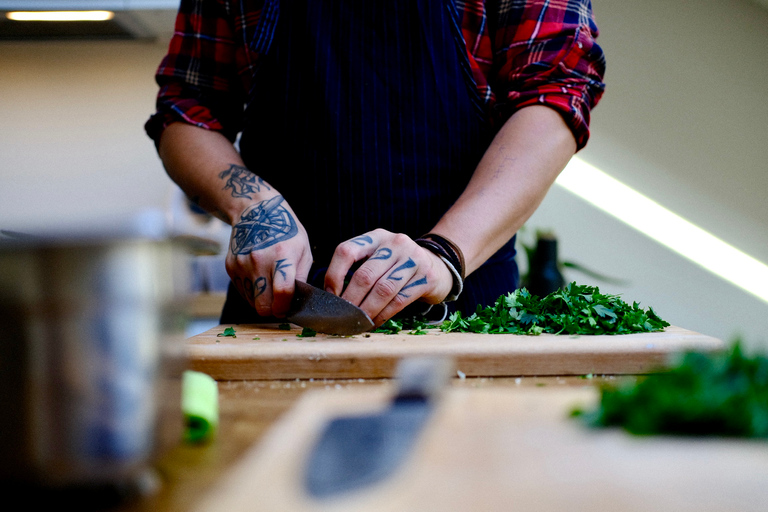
[{"x": 451, "y": 255}]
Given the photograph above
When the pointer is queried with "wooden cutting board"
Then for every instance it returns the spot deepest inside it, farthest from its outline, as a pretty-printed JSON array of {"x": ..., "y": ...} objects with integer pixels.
[
  {"x": 266, "y": 352},
  {"x": 495, "y": 449}
]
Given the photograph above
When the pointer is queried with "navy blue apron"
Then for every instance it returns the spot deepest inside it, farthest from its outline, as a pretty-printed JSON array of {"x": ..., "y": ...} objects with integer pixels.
[{"x": 365, "y": 115}]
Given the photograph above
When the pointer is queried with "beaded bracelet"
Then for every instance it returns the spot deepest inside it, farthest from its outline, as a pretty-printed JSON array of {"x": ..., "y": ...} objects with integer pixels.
[{"x": 451, "y": 255}]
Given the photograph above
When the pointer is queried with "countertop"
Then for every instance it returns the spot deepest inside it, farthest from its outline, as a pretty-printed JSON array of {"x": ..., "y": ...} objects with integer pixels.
[{"x": 247, "y": 411}]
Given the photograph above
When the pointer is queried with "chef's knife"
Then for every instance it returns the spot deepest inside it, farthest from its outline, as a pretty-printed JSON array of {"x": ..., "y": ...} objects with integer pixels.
[
  {"x": 325, "y": 312},
  {"x": 356, "y": 451}
]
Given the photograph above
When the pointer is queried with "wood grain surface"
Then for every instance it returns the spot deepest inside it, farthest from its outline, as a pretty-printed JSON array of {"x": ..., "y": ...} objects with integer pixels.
[
  {"x": 266, "y": 352},
  {"x": 503, "y": 450},
  {"x": 249, "y": 409}
]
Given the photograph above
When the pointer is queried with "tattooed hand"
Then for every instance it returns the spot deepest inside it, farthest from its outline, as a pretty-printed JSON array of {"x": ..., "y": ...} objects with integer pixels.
[
  {"x": 396, "y": 272},
  {"x": 268, "y": 251}
]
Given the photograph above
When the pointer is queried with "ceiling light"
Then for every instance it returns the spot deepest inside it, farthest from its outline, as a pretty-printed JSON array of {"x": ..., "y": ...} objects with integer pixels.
[
  {"x": 666, "y": 227},
  {"x": 60, "y": 15}
]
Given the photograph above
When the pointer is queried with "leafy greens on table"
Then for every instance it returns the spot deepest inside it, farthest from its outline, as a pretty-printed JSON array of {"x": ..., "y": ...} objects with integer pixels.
[
  {"x": 575, "y": 309},
  {"x": 723, "y": 394}
]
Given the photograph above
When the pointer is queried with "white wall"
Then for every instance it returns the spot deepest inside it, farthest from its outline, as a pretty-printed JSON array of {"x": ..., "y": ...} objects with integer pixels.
[
  {"x": 684, "y": 120},
  {"x": 72, "y": 145}
]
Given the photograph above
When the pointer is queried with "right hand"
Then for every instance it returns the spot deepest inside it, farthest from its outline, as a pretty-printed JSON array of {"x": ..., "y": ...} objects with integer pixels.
[{"x": 268, "y": 251}]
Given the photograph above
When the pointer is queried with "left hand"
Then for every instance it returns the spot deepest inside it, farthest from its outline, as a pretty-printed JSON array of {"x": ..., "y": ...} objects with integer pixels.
[{"x": 396, "y": 272}]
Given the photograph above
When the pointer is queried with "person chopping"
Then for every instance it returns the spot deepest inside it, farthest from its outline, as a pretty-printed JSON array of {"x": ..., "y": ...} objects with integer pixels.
[{"x": 385, "y": 150}]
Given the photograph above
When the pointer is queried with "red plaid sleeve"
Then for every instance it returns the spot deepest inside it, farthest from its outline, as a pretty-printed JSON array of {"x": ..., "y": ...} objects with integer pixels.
[
  {"x": 537, "y": 52},
  {"x": 199, "y": 77}
]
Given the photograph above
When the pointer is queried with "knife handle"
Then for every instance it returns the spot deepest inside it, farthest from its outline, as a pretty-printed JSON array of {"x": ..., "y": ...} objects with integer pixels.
[{"x": 422, "y": 378}]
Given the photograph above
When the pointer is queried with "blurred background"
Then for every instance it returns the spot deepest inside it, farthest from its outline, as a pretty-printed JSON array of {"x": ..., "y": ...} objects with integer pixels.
[{"x": 684, "y": 121}]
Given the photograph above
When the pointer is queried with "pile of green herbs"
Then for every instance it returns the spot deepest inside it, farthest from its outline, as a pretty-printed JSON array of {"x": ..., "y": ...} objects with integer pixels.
[
  {"x": 413, "y": 324},
  {"x": 573, "y": 310},
  {"x": 723, "y": 394}
]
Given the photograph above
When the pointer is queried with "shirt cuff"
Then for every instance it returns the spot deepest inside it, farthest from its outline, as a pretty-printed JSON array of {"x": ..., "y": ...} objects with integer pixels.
[{"x": 569, "y": 81}]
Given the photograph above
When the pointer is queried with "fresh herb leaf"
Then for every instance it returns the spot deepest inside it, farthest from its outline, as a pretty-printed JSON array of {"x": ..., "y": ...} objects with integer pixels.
[
  {"x": 415, "y": 325},
  {"x": 307, "y": 332},
  {"x": 229, "y": 331},
  {"x": 574, "y": 310},
  {"x": 284, "y": 327},
  {"x": 391, "y": 326},
  {"x": 722, "y": 394}
]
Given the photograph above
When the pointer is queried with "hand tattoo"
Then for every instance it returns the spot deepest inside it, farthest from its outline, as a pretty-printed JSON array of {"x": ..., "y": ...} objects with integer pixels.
[
  {"x": 280, "y": 266},
  {"x": 247, "y": 287},
  {"x": 242, "y": 181},
  {"x": 263, "y": 225},
  {"x": 260, "y": 285},
  {"x": 362, "y": 240},
  {"x": 408, "y": 264},
  {"x": 418, "y": 282},
  {"x": 251, "y": 289},
  {"x": 381, "y": 254}
]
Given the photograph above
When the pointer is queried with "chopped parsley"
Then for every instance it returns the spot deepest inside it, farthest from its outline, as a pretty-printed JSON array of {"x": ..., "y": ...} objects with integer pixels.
[
  {"x": 721, "y": 394},
  {"x": 415, "y": 325},
  {"x": 575, "y": 309},
  {"x": 306, "y": 332},
  {"x": 391, "y": 326},
  {"x": 228, "y": 332}
]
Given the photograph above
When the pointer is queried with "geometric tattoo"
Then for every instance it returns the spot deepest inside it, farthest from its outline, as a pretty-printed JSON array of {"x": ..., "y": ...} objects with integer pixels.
[
  {"x": 242, "y": 181},
  {"x": 263, "y": 225}
]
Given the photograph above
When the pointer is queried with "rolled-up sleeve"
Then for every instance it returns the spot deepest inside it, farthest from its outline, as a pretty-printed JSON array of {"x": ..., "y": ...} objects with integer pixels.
[
  {"x": 198, "y": 77},
  {"x": 546, "y": 54}
]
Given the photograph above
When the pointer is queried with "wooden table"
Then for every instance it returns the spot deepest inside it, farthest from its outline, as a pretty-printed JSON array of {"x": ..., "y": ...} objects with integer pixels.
[
  {"x": 254, "y": 459},
  {"x": 249, "y": 408}
]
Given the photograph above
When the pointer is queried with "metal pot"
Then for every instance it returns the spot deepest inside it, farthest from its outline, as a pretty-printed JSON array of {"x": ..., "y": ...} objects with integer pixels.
[{"x": 91, "y": 357}]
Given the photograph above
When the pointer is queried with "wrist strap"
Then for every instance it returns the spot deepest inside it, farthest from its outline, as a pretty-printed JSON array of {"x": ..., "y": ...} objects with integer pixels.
[{"x": 451, "y": 255}]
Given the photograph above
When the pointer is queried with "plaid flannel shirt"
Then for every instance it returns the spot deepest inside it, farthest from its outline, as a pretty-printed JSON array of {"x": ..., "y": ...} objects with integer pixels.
[{"x": 521, "y": 53}]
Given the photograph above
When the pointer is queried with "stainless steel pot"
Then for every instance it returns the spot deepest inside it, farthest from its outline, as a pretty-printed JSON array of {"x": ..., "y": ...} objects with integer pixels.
[{"x": 91, "y": 356}]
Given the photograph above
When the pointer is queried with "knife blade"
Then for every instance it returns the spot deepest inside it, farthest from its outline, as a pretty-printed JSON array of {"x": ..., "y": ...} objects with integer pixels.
[
  {"x": 357, "y": 451},
  {"x": 325, "y": 312}
]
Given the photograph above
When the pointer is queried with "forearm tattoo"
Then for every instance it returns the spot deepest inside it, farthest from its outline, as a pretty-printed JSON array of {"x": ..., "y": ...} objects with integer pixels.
[
  {"x": 242, "y": 181},
  {"x": 263, "y": 225}
]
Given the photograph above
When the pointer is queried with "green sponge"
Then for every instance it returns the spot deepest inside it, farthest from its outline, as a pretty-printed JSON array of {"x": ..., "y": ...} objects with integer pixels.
[{"x": 200, "y": 406}]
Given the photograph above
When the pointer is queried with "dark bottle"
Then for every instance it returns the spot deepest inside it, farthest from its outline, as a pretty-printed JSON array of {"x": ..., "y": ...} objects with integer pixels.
[{"x": 544, "y": 275}]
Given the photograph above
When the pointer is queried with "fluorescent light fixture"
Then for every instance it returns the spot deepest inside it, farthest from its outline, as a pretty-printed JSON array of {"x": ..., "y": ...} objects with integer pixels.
[
  {"x": 60, "y": 15},
  {"x": 665, "y": 226}
]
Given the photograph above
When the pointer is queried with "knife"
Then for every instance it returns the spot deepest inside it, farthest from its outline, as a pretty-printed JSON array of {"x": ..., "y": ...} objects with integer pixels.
[
  {"x": 357, "y": 451},
  {"x": 325, "y": 312}
]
